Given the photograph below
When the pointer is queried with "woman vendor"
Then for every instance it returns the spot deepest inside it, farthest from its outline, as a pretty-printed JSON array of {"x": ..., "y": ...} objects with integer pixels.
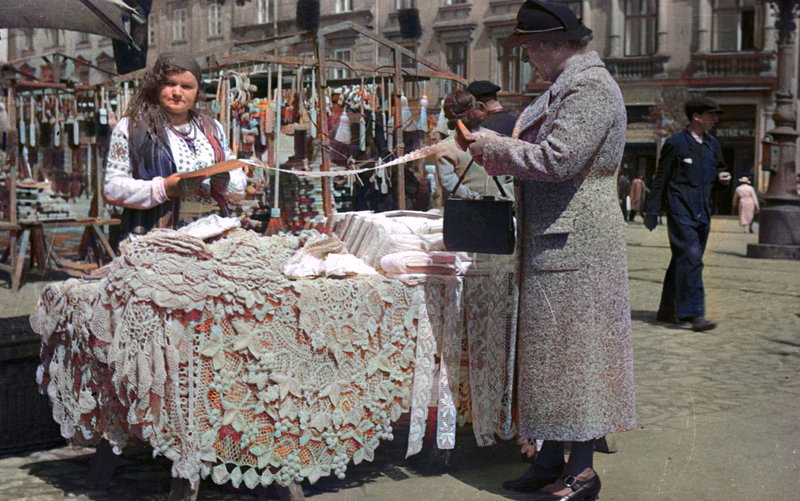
[
  {"x": 160, "y": 136},
  {"x": 451, "y": 164}
]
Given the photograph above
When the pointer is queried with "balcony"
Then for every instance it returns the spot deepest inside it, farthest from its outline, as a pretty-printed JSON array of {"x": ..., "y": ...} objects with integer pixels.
[
  {"x": 754, "y": 64},
  {"x": 637, "y": 67}
]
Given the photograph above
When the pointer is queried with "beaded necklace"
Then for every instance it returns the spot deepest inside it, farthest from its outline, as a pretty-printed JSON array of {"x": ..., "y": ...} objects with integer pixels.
[{"x": 188, "y": 137}]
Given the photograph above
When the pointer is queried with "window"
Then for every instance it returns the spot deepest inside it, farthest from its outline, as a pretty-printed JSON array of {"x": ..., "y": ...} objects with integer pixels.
[
  {"x": 83, "y": 38},
  {"x": 454, "y": 2},
  {"x": 55, "y": 38},
  {"x": 456, "y": 54},
  {"x": 641, "y": 17},
  {"x": 405, "y": 4},
  {"x": 736, "y": 25},
  {"x": 214, "y": 19},
  {"x": 341, "y": 55},
  {"x": 265, "y": 10},
  {"x": 515, "y": 73},
  {"x": 179, "y": 25},
  {"x": 151, "y": 33},
  {"x": 344, "y": 6}
]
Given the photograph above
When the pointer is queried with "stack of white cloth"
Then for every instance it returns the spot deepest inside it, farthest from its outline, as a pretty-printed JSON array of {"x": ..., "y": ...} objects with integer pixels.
[
  {"x": 407, "y": 245},
  {"x": 325, "y": 256}
]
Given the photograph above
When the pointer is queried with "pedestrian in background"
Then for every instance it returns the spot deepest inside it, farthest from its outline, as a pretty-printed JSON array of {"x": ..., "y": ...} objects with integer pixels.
[
  {"x": 745, "y": 200},
  {"x": 690, "y": 163},
  {"x": 623, "y": 189},
  {"x": 575, "y": 360},
  {"x": 636, "y": 196},
  {"x": 497, "y": 119}
]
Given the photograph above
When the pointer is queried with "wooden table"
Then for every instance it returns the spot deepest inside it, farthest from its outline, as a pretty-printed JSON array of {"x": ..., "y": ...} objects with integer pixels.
[{"x": 25, "y": 234}]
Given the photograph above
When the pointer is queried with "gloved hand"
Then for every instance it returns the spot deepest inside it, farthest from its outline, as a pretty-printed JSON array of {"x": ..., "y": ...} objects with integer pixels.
[
  {"x": 650, "y": 221},
  {"x": 181, "y": 188}
]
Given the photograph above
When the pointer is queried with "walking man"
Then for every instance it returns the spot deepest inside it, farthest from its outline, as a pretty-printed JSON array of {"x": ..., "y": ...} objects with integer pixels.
[{"x": 690, "y": 163}]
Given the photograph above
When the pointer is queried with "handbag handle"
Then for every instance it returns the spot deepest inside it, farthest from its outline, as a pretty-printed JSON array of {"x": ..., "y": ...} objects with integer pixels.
[{"x": 461, "y": 178}]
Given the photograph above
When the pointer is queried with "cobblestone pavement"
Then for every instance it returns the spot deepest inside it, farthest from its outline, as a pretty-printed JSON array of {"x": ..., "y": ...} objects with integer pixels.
[{"x": 719, "y": 411}]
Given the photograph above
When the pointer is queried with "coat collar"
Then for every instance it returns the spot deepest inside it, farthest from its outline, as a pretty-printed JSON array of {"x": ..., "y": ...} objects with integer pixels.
[{"x": 573, "y": 66}]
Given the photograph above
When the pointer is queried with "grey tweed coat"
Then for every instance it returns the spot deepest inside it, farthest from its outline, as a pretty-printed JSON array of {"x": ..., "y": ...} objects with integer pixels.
[{"x": 575, "y": 361}]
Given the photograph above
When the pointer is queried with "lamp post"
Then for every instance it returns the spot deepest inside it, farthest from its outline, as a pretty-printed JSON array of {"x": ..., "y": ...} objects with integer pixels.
[{"x": 779, "y": 228}]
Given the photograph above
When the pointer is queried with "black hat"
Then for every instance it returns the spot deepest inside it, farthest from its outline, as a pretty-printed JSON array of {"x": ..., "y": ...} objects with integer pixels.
[
  {"x": 480, "y": 88},
  {"x": 548, "y": 21},
  {"x": 701, "y": 105}
]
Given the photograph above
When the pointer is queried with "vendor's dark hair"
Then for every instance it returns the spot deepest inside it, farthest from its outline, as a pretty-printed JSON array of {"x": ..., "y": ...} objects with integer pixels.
[
  {"x": 145, "y": 109},
  {"x": 461, "y": 105}
]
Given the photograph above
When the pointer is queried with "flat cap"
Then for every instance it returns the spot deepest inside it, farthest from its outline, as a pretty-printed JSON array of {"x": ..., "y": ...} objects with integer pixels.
[
  {"x": 480, "y": 88},
  {"x": 701, "y": 105}
]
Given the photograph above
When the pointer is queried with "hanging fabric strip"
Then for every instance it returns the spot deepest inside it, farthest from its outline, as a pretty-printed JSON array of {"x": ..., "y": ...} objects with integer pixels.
[{"x": 414, "y": 155}]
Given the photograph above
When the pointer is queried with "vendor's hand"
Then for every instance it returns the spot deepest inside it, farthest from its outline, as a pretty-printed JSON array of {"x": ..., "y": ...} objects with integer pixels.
[
  {"x": 650, "y": 221},
  {"x": 219, "y": 183},
  {"x": 180, "y": 188}
]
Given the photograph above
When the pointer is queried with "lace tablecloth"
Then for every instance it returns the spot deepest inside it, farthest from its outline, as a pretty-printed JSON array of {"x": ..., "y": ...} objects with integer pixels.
[{"x": 212, "y": 356}]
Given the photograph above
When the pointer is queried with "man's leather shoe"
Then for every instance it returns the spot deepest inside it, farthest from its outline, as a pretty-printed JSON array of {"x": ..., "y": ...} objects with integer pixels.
[{"x": 700, "y": 324}]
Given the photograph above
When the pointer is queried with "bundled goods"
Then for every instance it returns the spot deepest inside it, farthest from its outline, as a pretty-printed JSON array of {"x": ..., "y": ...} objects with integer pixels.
[{"x": 38, "y": 202}]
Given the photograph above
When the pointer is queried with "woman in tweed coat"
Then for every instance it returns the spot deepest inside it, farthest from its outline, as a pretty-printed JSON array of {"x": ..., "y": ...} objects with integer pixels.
[{"x": 575, "y": 360}]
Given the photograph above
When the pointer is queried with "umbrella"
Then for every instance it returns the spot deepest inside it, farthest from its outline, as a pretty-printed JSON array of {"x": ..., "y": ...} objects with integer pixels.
[{"x": 102, "y": 17}]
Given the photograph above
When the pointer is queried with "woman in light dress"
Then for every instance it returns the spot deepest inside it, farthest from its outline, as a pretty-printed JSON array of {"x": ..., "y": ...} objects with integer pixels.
[{"x": 746, "y": 200}]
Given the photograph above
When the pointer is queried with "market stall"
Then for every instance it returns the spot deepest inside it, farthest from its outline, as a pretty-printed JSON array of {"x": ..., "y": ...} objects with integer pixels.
[
  {"x": 224, "y": 360},
  {"x": 257, "y": 359},
  {"x": 52, "y": 157}
]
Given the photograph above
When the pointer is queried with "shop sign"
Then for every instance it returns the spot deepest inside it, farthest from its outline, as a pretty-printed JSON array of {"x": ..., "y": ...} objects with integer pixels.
[{"x": 737, "y": 132}]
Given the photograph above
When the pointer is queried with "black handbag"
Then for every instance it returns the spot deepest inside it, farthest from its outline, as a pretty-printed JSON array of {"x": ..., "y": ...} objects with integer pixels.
[{"x": 483, "y": 225}]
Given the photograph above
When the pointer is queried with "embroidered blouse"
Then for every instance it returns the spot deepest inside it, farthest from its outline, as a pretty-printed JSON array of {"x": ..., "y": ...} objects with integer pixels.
[{"x": 191, "y": 151}]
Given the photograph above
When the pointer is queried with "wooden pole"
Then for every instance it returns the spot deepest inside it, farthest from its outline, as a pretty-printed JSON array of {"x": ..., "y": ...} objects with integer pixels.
[
  {"x": 322, "y": 125},
  {"x": 399, "y": 147},
  {"x": 276, "y": 141}
]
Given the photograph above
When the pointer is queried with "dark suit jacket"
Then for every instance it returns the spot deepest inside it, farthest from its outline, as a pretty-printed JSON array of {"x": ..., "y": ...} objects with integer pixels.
[{"x": 684, "y": 178}]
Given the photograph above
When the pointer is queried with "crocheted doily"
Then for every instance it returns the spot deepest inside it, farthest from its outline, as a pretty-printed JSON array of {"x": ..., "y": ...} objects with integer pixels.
[{"x": 211, "y": 355}]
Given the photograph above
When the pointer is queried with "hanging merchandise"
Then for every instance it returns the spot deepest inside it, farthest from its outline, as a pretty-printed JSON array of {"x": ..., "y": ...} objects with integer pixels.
[
  {"x": 23, "y": 128},
  {"x": 312, "y": 106},
  {"x": 422, "y": 123},
  {"x": 343, "y": 131},
  {"x": 406, "y": 118},
  {"x": 32, "y": 125},
  {"x": 103, "y": 112},
  {"x": 362, "y": 124},
  {"x": 441, "y": 121},
  {"x": 57, "y": 123},
  {"x": 74, "y": 127}
]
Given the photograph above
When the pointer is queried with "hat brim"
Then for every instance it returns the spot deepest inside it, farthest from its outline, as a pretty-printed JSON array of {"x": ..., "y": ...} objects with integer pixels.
[{"x": 519, "y": 38}]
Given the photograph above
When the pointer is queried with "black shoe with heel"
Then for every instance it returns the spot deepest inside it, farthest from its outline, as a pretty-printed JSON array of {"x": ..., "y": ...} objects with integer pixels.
[
  {"x": 534, "y": 478},
  {"x": 584, "y": 487}
]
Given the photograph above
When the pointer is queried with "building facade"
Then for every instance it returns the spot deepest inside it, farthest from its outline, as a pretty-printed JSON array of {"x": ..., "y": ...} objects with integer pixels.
[{"x": 660, "y": 51}]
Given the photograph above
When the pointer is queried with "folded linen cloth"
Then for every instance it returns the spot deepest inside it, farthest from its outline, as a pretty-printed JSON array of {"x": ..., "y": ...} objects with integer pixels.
[{"x": 415, "y": 262}]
